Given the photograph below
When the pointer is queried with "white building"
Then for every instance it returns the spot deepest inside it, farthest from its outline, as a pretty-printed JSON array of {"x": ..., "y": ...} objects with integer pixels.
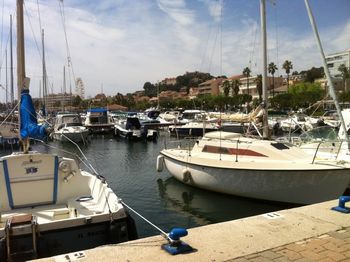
[{"x": 336, "y": 59}]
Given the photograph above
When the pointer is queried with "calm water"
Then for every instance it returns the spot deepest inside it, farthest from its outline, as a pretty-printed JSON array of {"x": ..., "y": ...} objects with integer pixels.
[{"x": 129, "y": 168}]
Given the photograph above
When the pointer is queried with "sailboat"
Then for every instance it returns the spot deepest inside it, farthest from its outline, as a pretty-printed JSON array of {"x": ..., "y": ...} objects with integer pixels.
[
  {"x": 257, "y": 168},
  {"x": 48, "y": 205}
]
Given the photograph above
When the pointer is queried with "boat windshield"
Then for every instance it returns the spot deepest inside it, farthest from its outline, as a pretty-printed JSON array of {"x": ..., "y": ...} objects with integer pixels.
[{"x": 323, "y": 133}]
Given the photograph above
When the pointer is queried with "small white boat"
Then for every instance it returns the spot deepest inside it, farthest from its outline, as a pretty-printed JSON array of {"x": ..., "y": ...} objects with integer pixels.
[
  {"x": 263, "y": 169},
  {"x": 69, "y": 127}
]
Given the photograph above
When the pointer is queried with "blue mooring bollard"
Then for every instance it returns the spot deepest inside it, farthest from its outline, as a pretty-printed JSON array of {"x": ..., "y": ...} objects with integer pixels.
[
  {"x": 175, "y": 245},
  {"x": 341, "y": 206}
]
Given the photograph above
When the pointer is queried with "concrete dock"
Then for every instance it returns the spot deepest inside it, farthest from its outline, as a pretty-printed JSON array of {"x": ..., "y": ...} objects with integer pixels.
[{"x": 309, "y": 233}]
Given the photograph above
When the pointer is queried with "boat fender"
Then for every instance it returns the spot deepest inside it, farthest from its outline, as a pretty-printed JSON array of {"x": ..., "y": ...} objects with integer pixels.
[
  {"x": 160, "y": 163},
  {"x": 186, "y": 175}
]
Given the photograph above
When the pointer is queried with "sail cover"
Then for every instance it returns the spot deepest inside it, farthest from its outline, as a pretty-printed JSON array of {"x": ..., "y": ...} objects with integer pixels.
[{"x": 29, "y": 123}]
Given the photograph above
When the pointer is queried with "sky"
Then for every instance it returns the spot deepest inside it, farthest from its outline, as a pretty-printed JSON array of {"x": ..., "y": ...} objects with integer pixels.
[{"x": 115, "y": 46}]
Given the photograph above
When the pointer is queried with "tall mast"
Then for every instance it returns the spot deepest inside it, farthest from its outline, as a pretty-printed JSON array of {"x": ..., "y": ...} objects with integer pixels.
[
  {"x": 21, "y": 74},
  {"x": 326, "y": 70},
  {"x": 44, "y": 69},
  {"x": 11, "y": 66},
  {"x": 264, "y": 71},
  {"x": 6, "y": 84}
]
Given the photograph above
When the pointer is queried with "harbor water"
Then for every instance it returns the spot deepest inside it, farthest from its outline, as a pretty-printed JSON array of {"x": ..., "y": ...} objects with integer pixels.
[{"x": 130, "y": 170}]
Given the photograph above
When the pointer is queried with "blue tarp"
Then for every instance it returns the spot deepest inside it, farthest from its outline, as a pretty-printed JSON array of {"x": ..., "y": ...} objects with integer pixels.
[
  {"x": 97, "y": 110},
  {"x": 29, "y": 123}
]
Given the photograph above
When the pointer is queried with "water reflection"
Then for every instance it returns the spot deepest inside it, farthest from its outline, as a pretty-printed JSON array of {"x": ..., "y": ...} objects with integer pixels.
[{"x": 206, "y": 207}]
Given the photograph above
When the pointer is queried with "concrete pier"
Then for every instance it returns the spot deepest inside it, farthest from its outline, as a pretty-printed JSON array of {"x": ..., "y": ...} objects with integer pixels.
[{"x": 309, "y": 233}]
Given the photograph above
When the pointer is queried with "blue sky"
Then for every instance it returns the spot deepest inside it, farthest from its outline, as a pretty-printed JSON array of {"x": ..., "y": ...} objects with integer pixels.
[{"x": 118, "y": 45}]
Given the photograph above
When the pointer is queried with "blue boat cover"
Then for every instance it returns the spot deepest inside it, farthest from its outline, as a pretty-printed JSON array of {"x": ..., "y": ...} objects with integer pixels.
[
  {"x": 97, "y": 110},
  {"x": 29, "y": 123}
]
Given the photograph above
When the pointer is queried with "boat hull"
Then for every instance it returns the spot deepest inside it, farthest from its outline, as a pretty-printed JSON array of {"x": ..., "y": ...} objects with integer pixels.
[
  {"x": 290, "y": 186},
  {"x": 76, "y": 137},
  {"x": 65, "y": 240}
]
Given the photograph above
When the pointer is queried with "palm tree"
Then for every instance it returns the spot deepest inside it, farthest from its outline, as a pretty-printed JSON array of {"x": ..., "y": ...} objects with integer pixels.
[
  {"x": 226, "y": 87},
  {"x": 272, "y": 69},
  {"x": 258, "y": 82},
  {"x": 345, "y": 74},
  {"x": 287, "y": 65},
  {"x": 235, "y": 86},
  {"x": 246, "y": 73}
]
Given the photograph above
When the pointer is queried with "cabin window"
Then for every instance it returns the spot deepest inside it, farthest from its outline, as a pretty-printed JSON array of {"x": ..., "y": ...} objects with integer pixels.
[{"x": 231, "y": 151}]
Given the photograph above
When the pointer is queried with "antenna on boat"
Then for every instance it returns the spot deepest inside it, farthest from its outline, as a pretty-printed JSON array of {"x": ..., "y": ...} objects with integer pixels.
[{"x": 326, "y": 70}]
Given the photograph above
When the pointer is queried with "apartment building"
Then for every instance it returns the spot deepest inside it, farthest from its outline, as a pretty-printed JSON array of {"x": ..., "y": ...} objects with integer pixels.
[{"x": 336, "y": 59}]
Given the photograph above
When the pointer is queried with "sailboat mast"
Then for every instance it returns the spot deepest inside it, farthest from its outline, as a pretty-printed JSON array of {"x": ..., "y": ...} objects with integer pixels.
[
  {"x": 21, "y": 74},
  {"x": 11, "y": 65},
  {"x": 264, "y": 71},
  {"x": 44, "y": 70},
  {"x": 326, "y": 70}
]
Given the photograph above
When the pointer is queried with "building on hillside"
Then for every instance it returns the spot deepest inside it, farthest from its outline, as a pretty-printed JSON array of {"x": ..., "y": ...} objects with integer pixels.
[
  {"x": 210, "y": 87},
  {"x": 230, "y": 79},
  {"x": 273, "y": 84},
  {"x": 80, "y": 88},
  {"x": 58, "y": 102},
  {"x": 338, "y": 84},
  {"x": 170, "y": 95},
  {"x": 336, "y": 59},
  {"x": 169, "y": 81}
]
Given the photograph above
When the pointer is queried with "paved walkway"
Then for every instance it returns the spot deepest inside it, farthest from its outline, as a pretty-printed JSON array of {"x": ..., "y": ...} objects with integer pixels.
[
  {"x": 334, "y": 246},
  {"x": 308, "y": 233}
]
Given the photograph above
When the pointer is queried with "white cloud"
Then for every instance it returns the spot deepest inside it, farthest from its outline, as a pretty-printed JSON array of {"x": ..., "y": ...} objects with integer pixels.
[{"x": 144, "y": 41}]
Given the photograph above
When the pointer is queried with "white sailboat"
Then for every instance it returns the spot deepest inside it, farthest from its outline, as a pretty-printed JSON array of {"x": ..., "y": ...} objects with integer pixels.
[
  {"x": 256, "y": 168},
  {"x": 48, "y": 205}
]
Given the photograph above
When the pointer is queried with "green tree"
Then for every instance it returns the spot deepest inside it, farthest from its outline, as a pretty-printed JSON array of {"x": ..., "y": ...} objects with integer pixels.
[
  {"x": 246, "y": 73},
  {"x": 345, "y": 74},
  {"x": 272, "y": 69},
  {"x": 226, "y": 87},
  {"x": 235, "y": 86},
  {"x": 258, "y": 82},
  {"x": 287, "y": 65}
]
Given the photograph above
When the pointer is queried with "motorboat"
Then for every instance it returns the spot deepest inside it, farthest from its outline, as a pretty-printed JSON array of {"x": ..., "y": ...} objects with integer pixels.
[
  {"x": 193, "y": 128},
  {"x": 99, "y": 120},
  {"x": 69, "y": 127},
  {"x": 230, "y": 163},
  {"x": 49, "y": 206},
  {"x": 132, "y": 128}
]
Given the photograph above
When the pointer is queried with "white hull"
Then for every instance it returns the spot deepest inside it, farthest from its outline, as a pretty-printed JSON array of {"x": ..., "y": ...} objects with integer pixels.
[
  {"x": 76, "y": 137},
  {"x": 299, "y": 187},
  {"x": 257, "y": 169}
]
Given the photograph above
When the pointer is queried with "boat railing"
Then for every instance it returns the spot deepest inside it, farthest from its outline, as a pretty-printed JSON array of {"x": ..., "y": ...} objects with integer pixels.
[
  {"x": 331, "y": 150},
  {"x": 185, "y": 143}
]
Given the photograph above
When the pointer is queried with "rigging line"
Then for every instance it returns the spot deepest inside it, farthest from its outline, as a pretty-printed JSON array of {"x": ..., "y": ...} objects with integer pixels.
[
  {"x": 37, "y": 3},
  {"x": 64, "y": 151},
  {"x": 9, "y": 114},
  {"x": 276, "y": 29},
  {"x": 2, "y": 57},
  {"x": 31, "y": 27},
  {"x": 2, "y": 30},
  {"x": 61, "y": 5},
  {"x": 221, "y": 6}
]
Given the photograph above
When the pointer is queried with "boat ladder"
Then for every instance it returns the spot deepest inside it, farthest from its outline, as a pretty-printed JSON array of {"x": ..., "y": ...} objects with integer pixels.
[{"x": 24, "y": 223}]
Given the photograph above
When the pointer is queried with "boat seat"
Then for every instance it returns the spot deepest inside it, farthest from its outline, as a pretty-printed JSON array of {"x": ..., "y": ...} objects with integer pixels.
[{"x": 85, "y": 206}]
